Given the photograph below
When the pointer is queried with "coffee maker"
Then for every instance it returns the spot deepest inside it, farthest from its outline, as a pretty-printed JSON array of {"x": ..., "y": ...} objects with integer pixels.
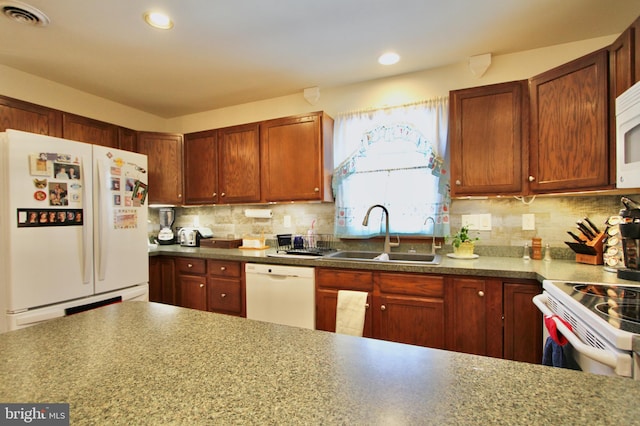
[
  {"x": 167, "y": 217},
  {"x": 630, "y": 232}
]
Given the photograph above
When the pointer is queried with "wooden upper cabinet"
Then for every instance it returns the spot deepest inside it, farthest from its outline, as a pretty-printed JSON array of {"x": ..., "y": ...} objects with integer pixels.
[
  {"x": 239, "y": 164},
  {"x": 636, "y": 49},
  {"x": 83, "y": 129},
  {"x": 20, "y": 115},
  {"x": 488, "y": 139},
  {"x": 297, "y": 158},
  {"x": 569, "y": 146},
  {"x": 200, "y": 168},
  {"x": 164, "y": 152},
  {"x": 127, "y": 139}
]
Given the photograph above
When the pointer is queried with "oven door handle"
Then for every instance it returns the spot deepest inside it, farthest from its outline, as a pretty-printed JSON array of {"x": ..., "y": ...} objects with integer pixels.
[{"x": 600, "y": 355}]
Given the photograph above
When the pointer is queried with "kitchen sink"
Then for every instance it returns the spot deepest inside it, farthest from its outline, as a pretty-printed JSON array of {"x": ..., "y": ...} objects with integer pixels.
[{"x": 373, "y": 256}]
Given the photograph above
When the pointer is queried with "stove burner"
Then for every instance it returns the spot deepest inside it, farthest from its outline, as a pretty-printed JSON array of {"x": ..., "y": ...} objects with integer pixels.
[
  {"x": 622, "y": 312},
  {"x": 611, "y": 291}
]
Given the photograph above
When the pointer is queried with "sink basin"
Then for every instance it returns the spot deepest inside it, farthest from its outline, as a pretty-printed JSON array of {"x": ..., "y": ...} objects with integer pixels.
[{"x": 373, "y": 256}]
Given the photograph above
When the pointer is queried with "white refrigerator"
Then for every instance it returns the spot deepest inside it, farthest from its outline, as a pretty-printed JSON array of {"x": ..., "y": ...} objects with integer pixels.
[{"x": 73, "y": 227}]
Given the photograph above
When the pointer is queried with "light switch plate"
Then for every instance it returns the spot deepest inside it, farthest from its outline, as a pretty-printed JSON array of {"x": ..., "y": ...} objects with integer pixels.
[
  {"x": 528, "y": 222},
  {"x": 484, "y": 222}
]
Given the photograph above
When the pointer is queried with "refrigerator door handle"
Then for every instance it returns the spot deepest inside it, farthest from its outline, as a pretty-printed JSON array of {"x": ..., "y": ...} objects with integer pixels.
[
  {"x": 87, "y": 234},
  {"x": 102, "y": 212}
]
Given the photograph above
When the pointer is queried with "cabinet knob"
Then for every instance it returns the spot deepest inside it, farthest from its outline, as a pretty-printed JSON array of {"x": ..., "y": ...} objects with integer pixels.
[
  {"x": 383, "y": 308},
  {"x": 223, "y": 295},
  {"x": 481, "y": 293},
  {"x": 215, "y": 194},
  {"x": 531, "y": 179},
  {"x": 201, "y": 285},
  {"x": 223, "y": 268},
  {"x": 189, "y": 265},
  {"x": 316, "y": 189},
  {"x": 179, "y": 195},
  {"x": 223, "y": 194},
  {"x": 458, "y": 182},
  {"x": 366, "y": 306}
]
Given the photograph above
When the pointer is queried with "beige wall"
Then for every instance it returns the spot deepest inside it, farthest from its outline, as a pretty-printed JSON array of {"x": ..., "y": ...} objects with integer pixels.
[{"x": 334, "y": 100}]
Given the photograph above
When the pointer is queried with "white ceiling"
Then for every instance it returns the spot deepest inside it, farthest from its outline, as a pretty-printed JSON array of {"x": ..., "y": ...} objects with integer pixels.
[{"x": 228, "y": 52}]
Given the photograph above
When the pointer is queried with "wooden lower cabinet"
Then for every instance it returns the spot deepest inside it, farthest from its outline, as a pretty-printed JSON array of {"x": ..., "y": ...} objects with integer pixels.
[
  {"x": 484, "y": 316},
  {"x": 208, "y": 285},
  {"x": 192, "y": 283},
  {"x": 162, "y": 280},
  {"x": 224, "y": 287},
  {"x": 475, "y": 319},
  {"x": 389, "y": 316},
  {"x": 413, "y": 320},
  {"x": 328, "y": 282},
  {"x": 522, "y": 322}
]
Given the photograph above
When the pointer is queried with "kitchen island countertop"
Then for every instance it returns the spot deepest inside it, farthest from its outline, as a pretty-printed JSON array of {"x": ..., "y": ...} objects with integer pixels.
[
  {"x": 501, "y": 267},
  {"x": 148, "y": 363}
]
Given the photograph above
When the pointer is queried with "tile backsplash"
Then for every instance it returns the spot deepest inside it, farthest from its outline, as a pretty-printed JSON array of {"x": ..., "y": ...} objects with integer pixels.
[{"x": 554, "y": 216}]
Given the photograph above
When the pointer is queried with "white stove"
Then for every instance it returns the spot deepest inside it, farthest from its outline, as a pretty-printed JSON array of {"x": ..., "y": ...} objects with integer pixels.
[{"x": 604, "y": 319}]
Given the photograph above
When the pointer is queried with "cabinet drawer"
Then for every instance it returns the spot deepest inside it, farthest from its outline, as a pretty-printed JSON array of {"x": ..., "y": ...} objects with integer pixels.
[
  {"x": 344, "y": 279},
  {"x": 223, "y": 268},
  {"x": 224, "y": 295},
  {"x": 412, "y": 284},
  {"x": 190, "y": 265}
]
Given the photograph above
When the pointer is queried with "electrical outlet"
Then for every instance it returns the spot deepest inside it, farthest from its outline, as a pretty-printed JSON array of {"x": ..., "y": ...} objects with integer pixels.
[
  {"x": 484, "y": 222},
  {"x": 470, "y": 221},
  {"x": 528, "y": 222}
]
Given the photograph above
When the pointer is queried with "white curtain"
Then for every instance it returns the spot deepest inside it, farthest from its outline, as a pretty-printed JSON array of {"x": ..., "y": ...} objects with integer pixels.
[{"x": 397, "y": 157}]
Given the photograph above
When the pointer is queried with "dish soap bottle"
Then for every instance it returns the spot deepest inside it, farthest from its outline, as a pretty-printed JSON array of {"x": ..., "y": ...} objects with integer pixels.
[{"x": 311, "y": 236}]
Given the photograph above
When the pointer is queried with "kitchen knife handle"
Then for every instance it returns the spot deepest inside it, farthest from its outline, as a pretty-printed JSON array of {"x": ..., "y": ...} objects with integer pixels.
[{"x": 592, "y": 225}]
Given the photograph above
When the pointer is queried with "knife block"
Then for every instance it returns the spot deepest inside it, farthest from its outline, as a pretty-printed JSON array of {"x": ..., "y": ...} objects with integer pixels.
[{"x": 593, "y": 259}]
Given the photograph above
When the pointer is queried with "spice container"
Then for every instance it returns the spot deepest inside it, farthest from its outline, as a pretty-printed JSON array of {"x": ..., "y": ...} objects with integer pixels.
[{"x": 536, "y": 248}]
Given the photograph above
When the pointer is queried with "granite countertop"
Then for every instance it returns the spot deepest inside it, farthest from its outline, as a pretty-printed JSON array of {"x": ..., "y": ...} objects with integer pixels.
[
  {"x": 501, "y": 267},
  {"x": 149, "y": 363}
]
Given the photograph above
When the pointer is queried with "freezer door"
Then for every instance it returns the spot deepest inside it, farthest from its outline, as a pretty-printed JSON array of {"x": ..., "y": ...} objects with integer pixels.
[
  {"x": 45, "y": 220},
  {"x": 120, "y": 219}
]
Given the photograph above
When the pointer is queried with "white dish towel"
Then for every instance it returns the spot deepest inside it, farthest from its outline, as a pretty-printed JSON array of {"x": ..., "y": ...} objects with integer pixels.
[{"x": 350, "y": 312}]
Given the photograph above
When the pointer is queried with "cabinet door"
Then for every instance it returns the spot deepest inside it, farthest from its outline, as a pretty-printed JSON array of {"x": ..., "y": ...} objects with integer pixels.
[
  {"x": 164, "y": 152},
  {"x": 294, "y": 159},
  {"x": 328, "y": 282},
  {"x": 200, "y": 168},
  {"x": 522, "y": 323},
  {"x": 20, "y": 115},
  {"x": 412, "y": 320},
  {"x": 636, "y": 50},
  {"x": 155, "y": 280},
  {"x": 239, "y": 164},
  {"x": 569, "y": 147},
  {"x": 83, "y": 129},
  {"x": 224, "y": 295},
  {"x": 476, "y": 323},
  {"x": 326, "y": 309},
  {"x": 193, "y": 291},
  {"x": 127, "y": 139},
  {"x": 488, "y": 137},
  {"x": 168, "y": 273}
]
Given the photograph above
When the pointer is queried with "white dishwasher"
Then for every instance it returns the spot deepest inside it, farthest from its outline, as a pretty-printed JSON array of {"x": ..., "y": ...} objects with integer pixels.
[{"x": 281, "y": 294}]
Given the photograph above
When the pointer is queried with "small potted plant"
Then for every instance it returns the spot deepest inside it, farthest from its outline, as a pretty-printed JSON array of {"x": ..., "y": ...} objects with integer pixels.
[{"x": 462, "y": 243}]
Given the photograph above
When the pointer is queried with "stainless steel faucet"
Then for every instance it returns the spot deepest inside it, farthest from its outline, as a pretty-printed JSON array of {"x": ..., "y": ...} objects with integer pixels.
[
  {"x": 433, "y": 239},
  {"x": 365, "y": 222}
]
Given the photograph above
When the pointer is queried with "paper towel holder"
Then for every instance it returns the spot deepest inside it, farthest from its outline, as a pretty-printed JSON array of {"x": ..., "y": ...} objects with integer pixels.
[{"x": 259, "y": 213}]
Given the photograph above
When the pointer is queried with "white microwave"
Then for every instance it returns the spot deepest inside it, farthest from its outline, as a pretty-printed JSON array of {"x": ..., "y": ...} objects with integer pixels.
[{"x": 628, "y": 138}]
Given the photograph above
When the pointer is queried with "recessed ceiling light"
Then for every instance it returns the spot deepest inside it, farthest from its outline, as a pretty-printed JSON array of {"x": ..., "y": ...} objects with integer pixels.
[
  {"x": 389, "y": 58},
  {"x": 158, "y": 20}
]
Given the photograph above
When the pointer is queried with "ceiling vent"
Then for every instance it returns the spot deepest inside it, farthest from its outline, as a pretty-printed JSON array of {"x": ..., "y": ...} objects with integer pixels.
[{"x": 23, "y": 13}]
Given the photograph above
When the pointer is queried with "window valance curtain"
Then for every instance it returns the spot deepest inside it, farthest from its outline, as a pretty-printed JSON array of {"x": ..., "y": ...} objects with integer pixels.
[{"x": 397, "y": 157}]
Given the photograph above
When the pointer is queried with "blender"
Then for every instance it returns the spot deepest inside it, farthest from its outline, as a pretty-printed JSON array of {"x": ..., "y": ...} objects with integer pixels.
[{"x": 167, "y": 216}]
